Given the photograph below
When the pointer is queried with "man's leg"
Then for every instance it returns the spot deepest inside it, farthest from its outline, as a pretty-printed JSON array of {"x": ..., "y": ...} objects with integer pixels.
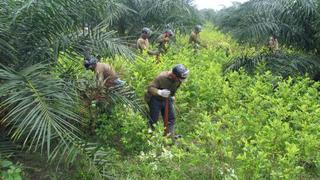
[
  {"x": 154, "y": 107},
  {"x": 171, "y": 115}
]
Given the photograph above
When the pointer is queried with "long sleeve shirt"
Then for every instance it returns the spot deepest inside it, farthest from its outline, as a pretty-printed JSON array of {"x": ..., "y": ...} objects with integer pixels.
[
  {"x": 194, "y": 38},
  {"x": 105, "y": 74},
  {"x": 163, "y": 81},
  {"x": 142, "y": 44}
]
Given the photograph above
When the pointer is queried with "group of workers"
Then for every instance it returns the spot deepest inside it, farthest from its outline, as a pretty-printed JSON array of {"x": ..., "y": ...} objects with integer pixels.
[
  {"x": 163, "y": 40},
  {"x": 160, "y": 94}
]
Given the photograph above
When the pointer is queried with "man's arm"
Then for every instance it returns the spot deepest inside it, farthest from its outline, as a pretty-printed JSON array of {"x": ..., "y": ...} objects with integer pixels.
[
  {"x": 99, "y": 79},
  {"x": 153, "y": 87},
  {"x": 141, "y": 45},
  {"x": 163, "y": 39}
]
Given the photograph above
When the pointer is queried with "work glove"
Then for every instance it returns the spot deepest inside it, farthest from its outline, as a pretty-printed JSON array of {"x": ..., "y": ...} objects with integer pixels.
[{"x": 164, "y": 93}]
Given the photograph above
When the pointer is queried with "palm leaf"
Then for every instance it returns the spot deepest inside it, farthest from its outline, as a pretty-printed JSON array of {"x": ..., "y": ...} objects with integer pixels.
[
  {"x": 41, "y": 30},
  {"x": 7, "y": 147},
  {"x": 127, "y": 96},
  {"x": 40, "y": 107},
  {"x": 102, "y": 159},
  {"x": 291, "y": 21},
  {"x": 106, "y": 44},
  {"x": 279, "y": 63}
]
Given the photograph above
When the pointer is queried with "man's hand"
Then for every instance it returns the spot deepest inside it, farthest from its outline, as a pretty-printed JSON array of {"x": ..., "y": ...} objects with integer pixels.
[{"x": 164, "y": 93}]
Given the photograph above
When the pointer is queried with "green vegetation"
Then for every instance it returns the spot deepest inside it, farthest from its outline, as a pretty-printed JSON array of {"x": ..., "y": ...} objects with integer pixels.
[
  {"x": 9, "y": 170},
  {"x": 244, "y": 112}
]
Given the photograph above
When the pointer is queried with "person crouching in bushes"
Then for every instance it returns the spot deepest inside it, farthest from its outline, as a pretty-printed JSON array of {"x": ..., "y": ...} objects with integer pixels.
[{"x": 105, "y": 74}]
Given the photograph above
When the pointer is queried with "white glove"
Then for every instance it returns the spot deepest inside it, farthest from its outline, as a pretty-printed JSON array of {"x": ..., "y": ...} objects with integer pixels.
[{"x": 164, "y": 93}]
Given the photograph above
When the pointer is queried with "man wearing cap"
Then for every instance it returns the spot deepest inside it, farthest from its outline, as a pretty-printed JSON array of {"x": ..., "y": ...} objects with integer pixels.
[
  {"x": 105, "y": 75},
  {"x": 163, "y": 87}
]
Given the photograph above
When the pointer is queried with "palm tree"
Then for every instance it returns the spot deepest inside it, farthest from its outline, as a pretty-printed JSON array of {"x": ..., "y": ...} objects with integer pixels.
[
  {"x": 157, "y": 14},
  {"x": 42, "y": 31},
  {"x": 293, "y": 22},
  {"x": 38, "y": 108},
  {"x": 39, "y": 99}
]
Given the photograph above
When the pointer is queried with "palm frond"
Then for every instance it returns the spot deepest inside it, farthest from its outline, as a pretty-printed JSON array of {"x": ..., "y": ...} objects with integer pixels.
[
  {"x": 111, "y": 95},
  {"x": 40, "y": 107},
  {"x": 106, "y": 44},
  {"x": 115, "y": 11},
  {"x": 7, "y": 147},
  {"x": 127, "y": 96},
  {"x": 291, "y": 21},
  {"x": 279, "y": 63},
  {"x": 103, "y": 159},
  {"x": 39, "y": 31}
]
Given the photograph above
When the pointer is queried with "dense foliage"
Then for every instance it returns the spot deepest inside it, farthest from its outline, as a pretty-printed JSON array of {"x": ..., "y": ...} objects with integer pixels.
[
  {"x": 258, "y": 122},
  {"x": 294, "y": 23},
  {"x": 234, "y": 126}
]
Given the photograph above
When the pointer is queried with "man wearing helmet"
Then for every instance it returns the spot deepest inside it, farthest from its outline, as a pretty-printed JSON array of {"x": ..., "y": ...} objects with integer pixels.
[
  {"x": 163, "y": 87},
  {"x": 143, "y": 42},
  {"x": 105, "y": 75},
  {"x": 194, "y": 39},
  {"x": 163, "y": 40}
]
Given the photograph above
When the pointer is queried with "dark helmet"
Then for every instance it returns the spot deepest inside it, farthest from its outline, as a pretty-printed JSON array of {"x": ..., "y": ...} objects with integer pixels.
[
  {"x": 198, "y": 28},
  {"x": 90, "y": 60},
  {"x": 169, "y": 32},
  {"x": 146, "y": 30},
  {"x": 180, "y": 71}
]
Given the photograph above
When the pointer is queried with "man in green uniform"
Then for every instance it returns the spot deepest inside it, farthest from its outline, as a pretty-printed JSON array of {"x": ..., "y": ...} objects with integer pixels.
[{"x": 163, "y": 88}]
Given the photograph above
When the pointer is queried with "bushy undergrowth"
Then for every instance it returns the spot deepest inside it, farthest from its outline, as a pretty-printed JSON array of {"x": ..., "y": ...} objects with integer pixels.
[
  {"x": 9, "y": 171},
  {"x": 235, "y": 126}
]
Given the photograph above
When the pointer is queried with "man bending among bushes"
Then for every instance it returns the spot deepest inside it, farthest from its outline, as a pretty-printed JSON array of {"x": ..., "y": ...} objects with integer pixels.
[
  {"x": 161, "y": 92},
  {"x": 105, "y": 74}
]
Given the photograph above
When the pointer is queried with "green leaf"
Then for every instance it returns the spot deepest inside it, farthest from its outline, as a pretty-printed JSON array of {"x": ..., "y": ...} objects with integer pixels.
[{"x": 6, "y": 164}]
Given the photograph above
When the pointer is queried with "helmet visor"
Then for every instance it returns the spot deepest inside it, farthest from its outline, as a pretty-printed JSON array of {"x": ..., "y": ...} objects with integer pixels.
[{"x": 184, "y": 75}]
